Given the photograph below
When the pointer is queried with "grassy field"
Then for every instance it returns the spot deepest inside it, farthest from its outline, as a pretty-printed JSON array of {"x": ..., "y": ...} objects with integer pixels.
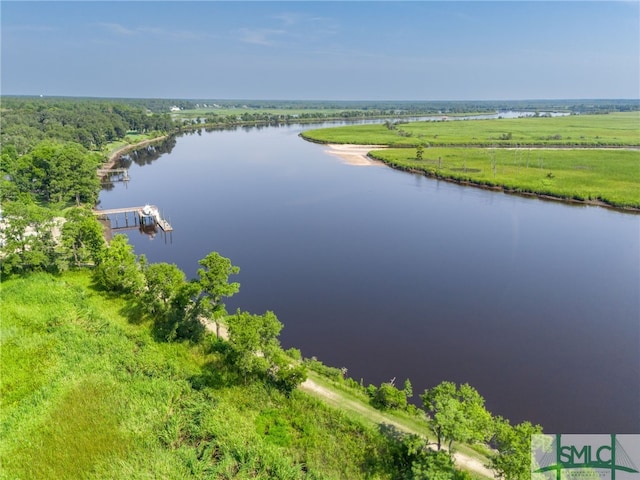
[
  {"x": 88, "y": 392},
  {"x": 561, "y": 157},
  {"x": 132, "y": 138},
  {"x": 612, "y": 177},
  {"x": 616, "y": 129}
]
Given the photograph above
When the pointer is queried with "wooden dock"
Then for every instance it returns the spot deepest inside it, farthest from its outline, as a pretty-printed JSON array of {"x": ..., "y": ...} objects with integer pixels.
[
  {"x": 164, "y": 225},
  {"x": 145, "y": 215},
  {"x": 122, "y": 173}
]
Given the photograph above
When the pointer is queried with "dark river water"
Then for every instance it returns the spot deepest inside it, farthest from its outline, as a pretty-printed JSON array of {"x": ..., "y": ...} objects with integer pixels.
[{"x": 536, "y": 304}]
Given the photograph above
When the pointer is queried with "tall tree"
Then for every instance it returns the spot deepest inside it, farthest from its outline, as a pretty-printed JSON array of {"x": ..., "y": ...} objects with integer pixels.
[
  {"x": 513, "y": 449},
  {"x": 183, "y": 318},
  {"x": 82, "y": 237},
  {"x": 58, "y": 172},
  {"x": 163, "y": 281},
  {"x": 26, "y": 238},
  {"x": 456, "y": 414},
  {"x": 213, "y": 279},
  {"x": 254, "y": 339}
]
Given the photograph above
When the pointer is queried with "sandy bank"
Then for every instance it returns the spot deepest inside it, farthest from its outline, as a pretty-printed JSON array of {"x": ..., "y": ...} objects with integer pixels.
[{"x": 354, "y": 154}]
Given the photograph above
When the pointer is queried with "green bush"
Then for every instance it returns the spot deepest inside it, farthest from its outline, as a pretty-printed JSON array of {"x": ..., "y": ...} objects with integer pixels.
[{"x": 387, "y": 396}]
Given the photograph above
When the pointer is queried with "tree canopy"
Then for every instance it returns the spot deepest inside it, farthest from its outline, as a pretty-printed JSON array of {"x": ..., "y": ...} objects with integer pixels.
[
  {"x": 254, "y": 339},
  {"x": 163, "y": 282},
  {"x": 82, "y": 238},
  {"x": 513, "y": 446},
  {"x": 26, "y": 239},
  {"x": 118, "y": 269},
  {"x": 213, "y": 279},
  {"x": 456, "y": 413}
]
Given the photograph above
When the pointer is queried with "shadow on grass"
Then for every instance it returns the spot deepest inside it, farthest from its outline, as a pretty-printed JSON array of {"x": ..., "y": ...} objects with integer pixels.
[
  {"x": 134, "y": 312},
  {"x": 218, "y": 372},
  {"x": 391, "y": 432}
]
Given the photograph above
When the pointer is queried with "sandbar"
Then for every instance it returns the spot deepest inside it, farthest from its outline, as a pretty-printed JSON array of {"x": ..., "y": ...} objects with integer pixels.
[{"x": 354, "y": 154}]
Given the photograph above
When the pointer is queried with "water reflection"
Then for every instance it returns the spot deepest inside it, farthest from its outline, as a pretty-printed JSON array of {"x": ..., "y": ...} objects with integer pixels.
[{"x": 148, "y": 154}]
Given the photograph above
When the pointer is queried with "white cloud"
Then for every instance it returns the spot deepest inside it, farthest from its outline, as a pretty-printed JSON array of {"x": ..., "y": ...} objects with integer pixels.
[
  {"x": 30, "y": 28},
  {"x": 288, "y": 18},
  {"x": 262, "y": 36},
  {"x": 121, "y": 30},
  {"x": 117, "y": 29}
]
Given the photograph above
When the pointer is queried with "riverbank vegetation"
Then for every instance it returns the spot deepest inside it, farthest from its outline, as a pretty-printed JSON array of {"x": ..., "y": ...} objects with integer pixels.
[
  {"x": 570, "y": 157},
  {"x": 102, "y": 380},
  {"x": 88, "y": 392},
  {"x": 116, "y": 368},
  {"x": 611, "y": 177}
]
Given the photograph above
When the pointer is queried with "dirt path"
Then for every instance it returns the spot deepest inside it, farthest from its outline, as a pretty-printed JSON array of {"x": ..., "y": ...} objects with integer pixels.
[
  {"x": 335, "y": 399},
  {"x": 342, "y": 402},
  {"x": 219, "y": 329}
]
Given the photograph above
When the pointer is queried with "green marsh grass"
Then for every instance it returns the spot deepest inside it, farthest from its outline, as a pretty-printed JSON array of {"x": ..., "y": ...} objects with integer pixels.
[
  {"x": 568, "y": 158},
  {"x": 609, "y": 176},
  {"x": 615, "y": 129},
  {"x": 87, "y": 392}
]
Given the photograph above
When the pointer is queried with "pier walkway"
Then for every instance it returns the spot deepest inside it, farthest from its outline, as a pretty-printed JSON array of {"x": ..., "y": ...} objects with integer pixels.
[
  {"x": 146, "y": 215},
  {"x": 108, "y": 173}
]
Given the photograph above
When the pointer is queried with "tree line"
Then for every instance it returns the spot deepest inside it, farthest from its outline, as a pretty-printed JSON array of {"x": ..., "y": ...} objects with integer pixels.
[
  {"x": 181, "y": 310},
  {"x": 51, "y": 149},
  {"x": 91, "y": 123},
  {"x": 193, "y": 310}
]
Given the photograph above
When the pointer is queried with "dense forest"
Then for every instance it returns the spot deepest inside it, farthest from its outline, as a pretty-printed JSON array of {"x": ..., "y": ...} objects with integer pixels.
[
  {"x": 51, "y": 150},
  {"x": 178, "y": 386}
]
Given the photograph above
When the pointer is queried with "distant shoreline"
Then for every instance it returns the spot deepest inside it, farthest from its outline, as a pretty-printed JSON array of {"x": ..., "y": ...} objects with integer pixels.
[{"x": 114, "y": 156}]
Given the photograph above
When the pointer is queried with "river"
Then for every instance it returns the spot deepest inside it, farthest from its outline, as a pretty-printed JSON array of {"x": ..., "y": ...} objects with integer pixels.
[{"x": 394, "y": 275}]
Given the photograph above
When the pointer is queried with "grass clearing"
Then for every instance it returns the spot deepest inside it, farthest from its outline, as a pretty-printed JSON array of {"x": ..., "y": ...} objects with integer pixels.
[{"x": 132, "y": 138}]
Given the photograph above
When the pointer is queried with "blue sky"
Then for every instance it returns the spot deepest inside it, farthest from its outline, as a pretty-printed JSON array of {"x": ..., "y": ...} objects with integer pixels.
[{"x": 419, "y": 50}]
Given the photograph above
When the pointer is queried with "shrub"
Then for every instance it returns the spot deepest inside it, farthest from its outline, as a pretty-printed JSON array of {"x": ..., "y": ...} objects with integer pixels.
[{"x": 387, "y": 397}]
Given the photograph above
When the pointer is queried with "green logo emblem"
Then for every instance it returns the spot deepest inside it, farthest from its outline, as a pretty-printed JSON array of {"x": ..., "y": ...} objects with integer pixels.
[{"x": 569, "y": 456}]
